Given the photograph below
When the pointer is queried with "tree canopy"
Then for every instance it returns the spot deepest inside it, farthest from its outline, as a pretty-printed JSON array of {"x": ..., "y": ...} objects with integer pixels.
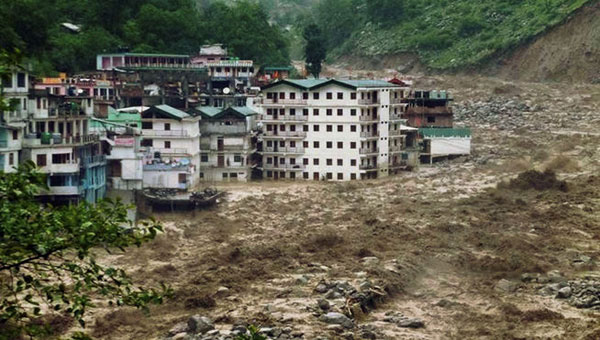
[
  {"x": 47, "y": 257},
  {"x": 315, "y": 50},
  {"x": 158, "y": 26}
]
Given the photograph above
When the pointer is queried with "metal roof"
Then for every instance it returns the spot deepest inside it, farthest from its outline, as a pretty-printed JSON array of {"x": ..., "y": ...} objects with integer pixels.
[
  {"x": 445, "y": 132},
  {"x": 145, "y": 55},
  {"x": 168, "y": 111},
  {"x": 217, "y": 112},
  {"x": 309, "y": 84}
]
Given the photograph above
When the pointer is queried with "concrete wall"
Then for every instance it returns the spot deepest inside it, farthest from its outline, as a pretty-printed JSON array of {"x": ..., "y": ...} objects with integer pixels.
[{"x": 450, "y": 146}]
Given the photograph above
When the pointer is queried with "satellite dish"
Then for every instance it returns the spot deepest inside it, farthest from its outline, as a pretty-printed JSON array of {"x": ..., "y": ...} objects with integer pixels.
[{"x": 226, "y": 90}]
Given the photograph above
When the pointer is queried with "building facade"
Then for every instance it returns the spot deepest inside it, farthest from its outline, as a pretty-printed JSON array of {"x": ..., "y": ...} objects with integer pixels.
[
  {"x": 327, "y": 129},
  {"x": 227, "y": 143},
  {"x": 171, "y": 147},
  {"x": 15, "y": 88}
]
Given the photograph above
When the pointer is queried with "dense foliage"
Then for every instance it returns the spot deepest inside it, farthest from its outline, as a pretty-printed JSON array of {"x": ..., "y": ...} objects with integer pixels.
[
  {"x": 444, "y": 33},
  {"x": 47, "y": 261},
  {"x": 315, "y": 51},
  {"x": 162, "y": 26}
]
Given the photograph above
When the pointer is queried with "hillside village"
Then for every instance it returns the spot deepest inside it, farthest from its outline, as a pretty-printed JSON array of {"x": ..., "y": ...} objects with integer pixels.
[{"x": 182, "y": 123}]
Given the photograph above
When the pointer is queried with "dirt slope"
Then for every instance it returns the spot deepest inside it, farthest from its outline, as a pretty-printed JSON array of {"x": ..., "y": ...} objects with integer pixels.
[{"x": 569, "y": 52}]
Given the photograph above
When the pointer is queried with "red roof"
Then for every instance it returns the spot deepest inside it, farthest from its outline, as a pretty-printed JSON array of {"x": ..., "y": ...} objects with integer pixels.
[{"x": 397, "y": 81}]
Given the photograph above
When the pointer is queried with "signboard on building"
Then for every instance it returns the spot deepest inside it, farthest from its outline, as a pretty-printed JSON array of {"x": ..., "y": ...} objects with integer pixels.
[{"x": 125, "y": 141}]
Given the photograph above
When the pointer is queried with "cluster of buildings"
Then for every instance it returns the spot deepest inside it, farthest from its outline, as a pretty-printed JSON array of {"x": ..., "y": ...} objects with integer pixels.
[{"x": 175, "y": 121}]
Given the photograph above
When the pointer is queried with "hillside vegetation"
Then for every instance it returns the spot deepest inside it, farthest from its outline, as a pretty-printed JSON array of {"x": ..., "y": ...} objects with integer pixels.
[
  {"x": 160, "y": 26},
  {"x": 445, "y": 34}
]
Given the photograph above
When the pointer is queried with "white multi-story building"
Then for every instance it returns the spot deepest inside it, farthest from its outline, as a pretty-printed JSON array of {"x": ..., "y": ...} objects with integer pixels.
[
  {"x": 171, "y": 142},
  {"x": 227, "y": 144},
  {"x": 15, "y": 87},
  {"x": 332, "y": 129}
]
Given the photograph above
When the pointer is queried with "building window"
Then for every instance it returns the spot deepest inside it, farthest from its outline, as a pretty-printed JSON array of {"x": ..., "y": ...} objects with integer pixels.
[
  {"x": 21, "y": 79},
  {"x": 329, "y": 128},
  {"x": 305, "y": 175},
  {"x": 329, "y": 112},
  {"x": 329, "y": 162},
  {"x": 316, "y": 128},
  {"x": 340, "y": 112},
  {"x": 237, "y": 158},
  {"x": 315, "y": 161},
  {"x": 329, "y": 175},
  {"x": 147, "y": 125},
  {"x": 281, "y": 95},
  {"x": 305, "y": 95},
  {"x": 340, "y": 162},
  {"x": 353, "y": 112},
  {"x": 340, "y": 145},
  {"x": 329, "y": 95},
  {"x": 352, "y": 128},
  {"x": 316, "y": 145},
  {"x": 305, "y": 144},
  {"x": 182, "y": 178},
  {"x": 61, "y": 158},
  {"x": 315, "y": 112},
  {"x": 329, "y": 145},
  {"x": 269, "y": 95},
  {"x": 353, "y": 95},
  {"x": 305, "y": 161},
  {"x": 167, "y": 144},
  {"x": 269, "y": 174},
  {"x": 352, "y": 145},
  {"x": 305, "y": 128},
  {"x": 292, "y": 175},
  {"x": 7, "y": 80},
  {"x": 340, "y": 128},
  {"x": 430, "y": 119},
  {"x": 204, "y": 157},
  {"x": 340, "y": 176},
  {"x": 292, "y": 95},
  {"x": 353, "y": 176},
  {"x": 305, "y": 112},
  {"x": 11, "y": 158},
  {"x": 353, "y": 162},
  {"x": 340, "y": 95},
  {"x": 41, "y": 160},
  {"x": 316, "y": 96},
  {"x": 167, "y": 127},
  {"x": 15, "y": 135},
  {"x": 292, "y": 112},
  {"x": 146, "y": 142},
  {"x": 269, "y": 160}
]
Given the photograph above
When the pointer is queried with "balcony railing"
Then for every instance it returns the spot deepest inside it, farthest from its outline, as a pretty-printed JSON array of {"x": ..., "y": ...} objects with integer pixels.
[
  {"x": 396, "y": 148},
  {"x": 395, "y": 132},
  {"x": 71, "y": 166},
  {"x": 368, "y": 134},
  {"x": 165, "y": 133},
  {"x": 288, "y": 149},
  {"x": 368, "y": 101},
  {"x": 288, "y": 167},
  {"x": 367, "y": 151},
  {"x": 166, "y": 167},
  {"x": 284, "y": 101},
  {"x": 396, "y": 116},
  {"x": 367, "y": 167},
  {"x": 295, "y": 118},
  {"x": 94, "y": 159},
  {"x": 395, "y": 101},
  {"x": 3, "y": 144},
  {"x": 58, "y": 140},
  {"x": 368, "y": 118},
  {"x": 298, "y": 134},
  {"x": 170, "y": 151}
]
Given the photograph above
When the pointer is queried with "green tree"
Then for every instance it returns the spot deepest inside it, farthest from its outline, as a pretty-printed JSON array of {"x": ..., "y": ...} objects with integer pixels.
[
  {"x": 315, "y": 50},
  {"x": 47, "y": 256},
  {"x": 385, "y": 11}
]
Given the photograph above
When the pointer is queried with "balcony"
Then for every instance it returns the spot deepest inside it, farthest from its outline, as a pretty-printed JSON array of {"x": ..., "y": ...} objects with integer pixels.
[
  {"x": 166, "y": 167},
  {"x": 285, "y": 134},
  {"x": 284, "y": 150},
  {"x": 3, "y": 144},
  {"x": 170, "y": 151},
  {"x": 395, "y": 133},
  {"x": 294, "y": 118},
  {"x": 369, "y": 151},
  {"x": 285, "y": 167},
  {"x": 299, "y": 102},
  {"x": 93, "y": 160},
  {"x": 367, "y": 167},
  {"x": 368, "y": 134},
  {"x": 368, "y": 102},
  {"x": 368, "y": 119},
  {"x": 229, "y": 166},
  {"x": 49, "y": 140},
  {"x": 65, "y": 191},
  {"x": 396, "y": 116},
  {"x": 396, "y": 148},
  {"x": 165, "y": 133},
  {"x": 224, "y": 148},
  {"x": 395, "y": 165},
  {"x": 396, "y": 101},
  {"x": 65, "y": 168}
]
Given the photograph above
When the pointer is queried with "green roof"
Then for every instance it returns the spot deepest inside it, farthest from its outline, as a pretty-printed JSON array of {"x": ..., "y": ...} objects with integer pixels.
[
  {"x": 309, "y": 84},
  {"x": 167, "y": 110},
  {"x": 120, "y": 117},
  {"x": 445, "y": 132},
  {"x": 146, "y": 55},
  {"x": 218, "y": 112}
]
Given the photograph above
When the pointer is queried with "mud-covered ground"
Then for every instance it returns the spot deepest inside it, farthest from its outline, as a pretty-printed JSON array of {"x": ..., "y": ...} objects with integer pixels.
[{"x": 437, "y": 242}]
